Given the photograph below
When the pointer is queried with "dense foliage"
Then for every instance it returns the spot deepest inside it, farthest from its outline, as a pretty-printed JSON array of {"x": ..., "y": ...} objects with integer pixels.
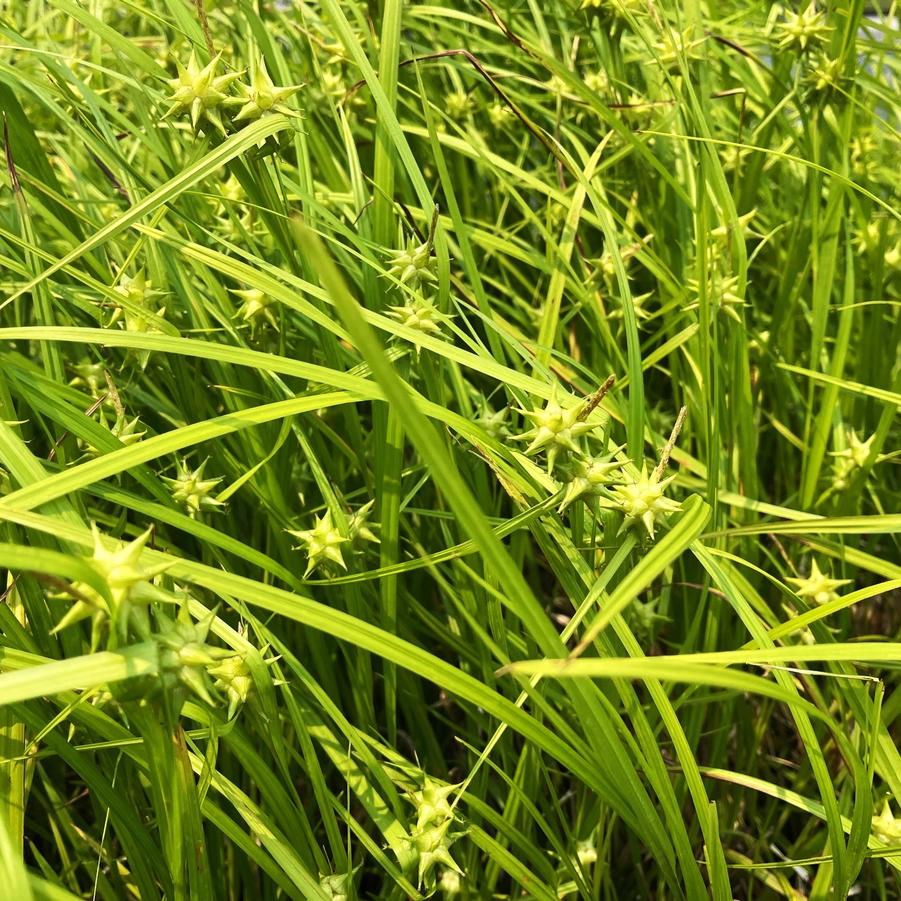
[{"x": 449, "y": 449}]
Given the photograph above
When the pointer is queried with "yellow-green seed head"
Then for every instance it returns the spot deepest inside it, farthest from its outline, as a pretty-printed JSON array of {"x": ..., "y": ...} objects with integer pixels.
[
  {"x": 322, "y": 543},
  {"x": 817, "y": 587},
  {"x": 641, "y": 499}
]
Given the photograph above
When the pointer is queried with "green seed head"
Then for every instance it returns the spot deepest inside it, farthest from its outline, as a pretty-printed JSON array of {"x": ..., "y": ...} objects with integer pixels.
[
  {"x": 185, "y": 658},
  {"x": 336, "y": 886},
  {"x": 641, "y": 499},
  {"x": 413, "y": 264},
  {"x": 201, "y": 91},
  {"x": 256, "y": 308},
  {"x": 457, "y": 104},
  {"x": 554, "y": 428},
  {"x": 322, "y": 543},
  {"x": 125, "y": 578},
  {"x": 233, "y": 678},
  {"x": 817, "y": 587},
  {"x": 193, "y": 492},
  {"x": 802, "y": 30},
  {"x": 886, "y": 827},
  {"x": 262, "y": 96}
]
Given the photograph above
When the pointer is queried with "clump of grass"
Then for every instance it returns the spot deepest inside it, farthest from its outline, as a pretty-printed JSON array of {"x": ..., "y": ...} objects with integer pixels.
[{"x": 449, "y": 450}]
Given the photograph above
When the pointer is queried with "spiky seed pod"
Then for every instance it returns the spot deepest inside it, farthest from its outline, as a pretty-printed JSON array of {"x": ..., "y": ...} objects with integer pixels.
[
  {"x": 885, "y": 826},
  {"x": 803, "y": 30},
  {"x": 262, "y": 97},
  {"x": 857, "y": 451},
  {"x": 192, "y": 491},
  {"x": 138, "y": 313},
  {"x": 494, "y": 422},
  {"x": 591, "y": 476},
  {"x": 256, "y": 307},
  {"x": 185, "y": 658},
  {"x": 336, "y": 886},
  {"x": 431, "y": 803},
  {"x": 817, "y": 587},
  {"x": 123, "y": 576},
  {"x": 673, "y": 45},
  {"x": 641, "y": 499},
  {"x": 825, "y": 75},
  {"x": 412, "y": 265},
  {"x": 554, "y": 428},
  {"x": 498, "y": 116},
  {"x": 232, "y": 677},
  {"x": 586, "y": 852},
  {"x": 122, "y": 428},
  {"x": 322, "y": 543},
  {"x": 851, "y": 458},
  {"x": 201, "y": 91},
  {"x": 431, "y": 837},
  {"x": 92, "y": 377},
  {"x": 421, "y": 315},
  {"x": 433, "y": 843},
  {"x": 457, "y": 104},
  {"x": 742, "y": 225},
  {"x": 358, "y": 525},
  {"x": 614, "y": 12}
]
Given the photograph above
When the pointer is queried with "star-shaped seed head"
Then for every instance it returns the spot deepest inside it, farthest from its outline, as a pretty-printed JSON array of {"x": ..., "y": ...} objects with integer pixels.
[
  {"x": 498, "y": 116},
  {"x": 413, "y": 264},
  {"x": 138, "y": 290},
  {"x": 644, "y": 618},
  {"x": 433, "y": 844},
  {"x": 322, "y": 543},
  {"x": 721, "y": 290},
  {"x": 494, "y": 422},
  {"x": 554, "y": 428},
  {"x": 256, "y": 307},
  {"x": 857, "y": 452},
  {"x": 233, "y": 677},
  {"x": 92, "y": 376},
  {"x": 586, "y": 852},
  {"x": 138, "y": 313},
  {"x": 591, "y": 475},
  {"x": 886, "y": 827},
  {"x": 803, "y": 29},
  {"x": 597, "y": 82},
  {"x": 262, "y": 97},
  {"x": 431, "y": 803},
  {"x": 817, "y": 587},
  {"x": 826, "y": 75},
  {"x": 641, "y": 499},
  {"x": 123, "y": 428},
  {"x": 123, "y": 575},
  {"x": 192, "y": 491},
  {"x": 185, "y": 658},
  {"x": 673, "y": 45},
  {"x": 201, "y": 90},
  {"x": 358, "y": 525},
  {"x": 742, "y": 226},
  {"x": 615, "y": 14},
  {"x": 336, "y": 886},
  {"x": 419, "y": 314},
  {"x": 457, "y": 104}
]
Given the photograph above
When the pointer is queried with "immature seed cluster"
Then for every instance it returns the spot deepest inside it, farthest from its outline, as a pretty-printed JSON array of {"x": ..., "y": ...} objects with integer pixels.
[
  {"x": 323, "y": 543},
  {"x": 560, "y": 431},
  {"x": 207, "y": 95},
  {"x": 192, "y": 491},
  {"x": 123, "y": 582},
  {"x": 432, "y": 835},
  {"x": 817, "y": 587}
]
